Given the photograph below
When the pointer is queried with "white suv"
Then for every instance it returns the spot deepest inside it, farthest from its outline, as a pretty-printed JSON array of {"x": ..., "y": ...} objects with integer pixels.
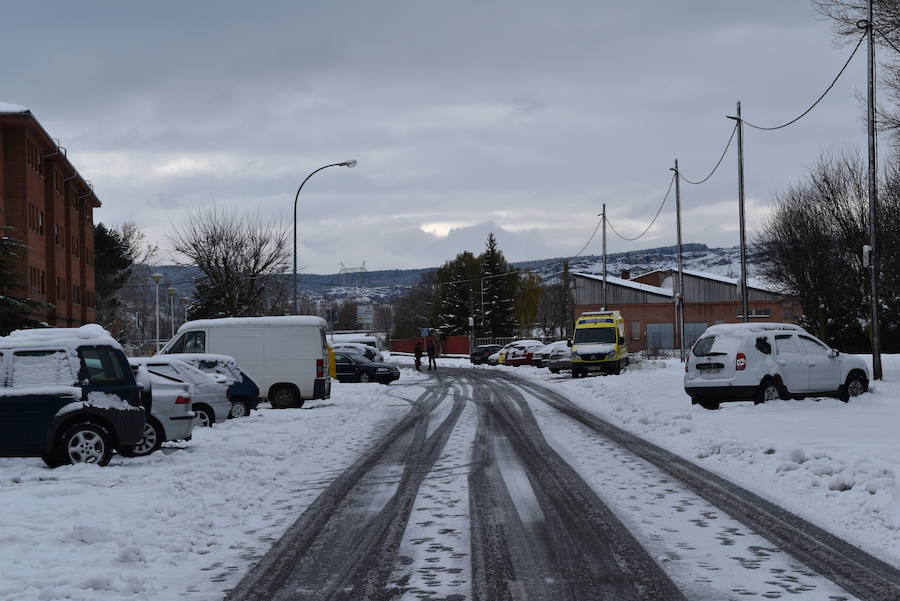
[{"x": 763, "y": 362}]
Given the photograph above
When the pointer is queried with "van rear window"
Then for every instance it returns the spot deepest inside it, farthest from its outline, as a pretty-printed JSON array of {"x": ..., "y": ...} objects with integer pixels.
[{"x": 711, "y": 346}]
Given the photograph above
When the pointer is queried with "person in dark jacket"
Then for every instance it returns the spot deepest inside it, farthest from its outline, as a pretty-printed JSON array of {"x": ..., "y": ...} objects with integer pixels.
[
  {"x": 418, "y": 354},
  {"x": 432, "y": 352}
]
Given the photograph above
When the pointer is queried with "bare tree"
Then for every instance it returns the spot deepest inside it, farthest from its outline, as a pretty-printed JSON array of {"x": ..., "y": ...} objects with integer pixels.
[{"x": 242, "y": 260}]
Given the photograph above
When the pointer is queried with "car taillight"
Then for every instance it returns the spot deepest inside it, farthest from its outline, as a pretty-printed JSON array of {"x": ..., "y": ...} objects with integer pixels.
[
  {"x": 320, "y": 368},
  {"x": 183, "y": 400},
  {"x": 740, "y": 362}
]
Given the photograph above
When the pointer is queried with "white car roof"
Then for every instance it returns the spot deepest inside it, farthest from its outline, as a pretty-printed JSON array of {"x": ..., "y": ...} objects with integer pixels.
[
  {"x": 737, "y": 329},
  {"x": 67, "y": 338},
  {"x": 270, "y": 320}
]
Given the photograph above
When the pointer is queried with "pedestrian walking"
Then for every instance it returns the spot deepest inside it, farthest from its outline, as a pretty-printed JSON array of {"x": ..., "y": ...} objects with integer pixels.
[
  {"x": 431, "y": 355},
  {"x": 418, "y": 354}
]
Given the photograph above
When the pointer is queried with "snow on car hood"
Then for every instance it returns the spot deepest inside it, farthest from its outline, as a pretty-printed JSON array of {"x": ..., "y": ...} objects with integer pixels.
[{"x": 593, "y": 349}]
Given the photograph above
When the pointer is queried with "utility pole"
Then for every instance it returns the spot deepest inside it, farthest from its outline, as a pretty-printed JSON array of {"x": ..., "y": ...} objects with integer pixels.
[
  {"x": 565, "y": 298},
  {"x": 604, "y": 256},
  {"x": 679, "y": 296},
  {"x": 873, "y": 201},
  {"x": 745, "y": 304}
]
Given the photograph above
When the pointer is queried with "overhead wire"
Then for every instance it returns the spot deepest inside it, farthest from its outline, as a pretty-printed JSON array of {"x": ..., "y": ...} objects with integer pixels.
[
  {"x": 886, "y": 39},
  {"x": 818, "y": 100},
  {"x": 718, "y": 163},
  {"x": 658, "y": 211}
]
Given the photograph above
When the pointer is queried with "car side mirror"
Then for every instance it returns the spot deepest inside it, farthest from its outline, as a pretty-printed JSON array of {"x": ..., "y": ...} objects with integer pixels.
[
  {"x": 621, "y": 340},
  {"x": 834, "y": 353},
  {"x": 569, "y": 343}
]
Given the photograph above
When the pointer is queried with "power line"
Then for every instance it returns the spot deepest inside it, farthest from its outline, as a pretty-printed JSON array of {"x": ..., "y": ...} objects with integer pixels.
[
  {"x": 583, "y": 248},
  {"x": 721, "y": 158},
  {"x": 658, "y": 211},
  {"x": 818, "y": 100},
  {"x": 886, "y": 39}
]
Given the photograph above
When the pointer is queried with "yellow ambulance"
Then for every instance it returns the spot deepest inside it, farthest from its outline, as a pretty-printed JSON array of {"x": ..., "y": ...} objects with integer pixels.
[{"x": 599, "y": 343}]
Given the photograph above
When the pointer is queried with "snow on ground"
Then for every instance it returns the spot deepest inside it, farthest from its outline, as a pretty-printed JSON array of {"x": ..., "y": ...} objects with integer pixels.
[
  {"x": 187, "y": 521},
  {"x": 835, "y": 464}
]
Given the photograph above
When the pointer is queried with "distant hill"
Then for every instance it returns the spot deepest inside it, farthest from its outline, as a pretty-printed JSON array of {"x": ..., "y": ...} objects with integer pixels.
[{"x": 386, "y": 285}]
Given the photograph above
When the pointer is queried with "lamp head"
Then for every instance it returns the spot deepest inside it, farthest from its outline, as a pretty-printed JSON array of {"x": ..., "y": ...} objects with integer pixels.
[
  {"x": 351, "y": 163},
  {"x": 156, "y": 277},
  {"x": 171, "y": 290}
]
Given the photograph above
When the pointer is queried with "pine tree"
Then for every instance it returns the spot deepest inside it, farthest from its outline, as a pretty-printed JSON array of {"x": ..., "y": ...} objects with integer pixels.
[
  {"x": 14, "y": 308},
  {"x": 457, "y": 280},
  {"x": 501, "y": 283}
]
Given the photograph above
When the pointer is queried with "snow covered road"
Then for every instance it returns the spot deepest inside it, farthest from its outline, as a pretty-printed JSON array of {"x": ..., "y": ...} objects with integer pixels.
[{"x": 482, "y": 484}]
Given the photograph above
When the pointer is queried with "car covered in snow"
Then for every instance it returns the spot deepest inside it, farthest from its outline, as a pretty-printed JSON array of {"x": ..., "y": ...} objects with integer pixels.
[
  {"x": 358, "y": 348},
  {"x": 67, "y": 395},
  {"x": 559, "y": 358},
  {"x": 519, "y": 352},
  {"x": 493, "y": 358},
  {"x": 541, "y": 357},
  {"x": 767, "y": 361},
  {"x": 209, "y": 393},
  {"x": 356, "y": 368},
  {"x": 168, "y": 406},
  {"x": 481, "y": 353},
  {"x": 243, "y": 391}
]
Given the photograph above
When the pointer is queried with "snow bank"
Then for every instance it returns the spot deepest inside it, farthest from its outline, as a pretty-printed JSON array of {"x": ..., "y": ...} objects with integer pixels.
[
  {"x": 833, "y": 463},
  {"x": 187, "y": 521}
]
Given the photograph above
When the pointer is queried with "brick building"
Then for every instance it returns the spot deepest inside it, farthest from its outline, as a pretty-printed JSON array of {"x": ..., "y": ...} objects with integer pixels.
[
  {"x": 50, "y": 208},
  {"x": 647, "y": 304}
]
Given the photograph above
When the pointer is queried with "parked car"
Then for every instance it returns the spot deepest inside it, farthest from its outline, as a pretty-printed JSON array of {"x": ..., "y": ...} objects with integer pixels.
[
  {"x": 168, "y": 406},
  {"x": 67, "y": 395},
  {"x": 243, "y": 391},
  {"x": 541, "y": 357},
  {"x": 519, "y": 352},
  {"x": 369, "y": 340},
  {"x": 209, "y": 393},
  {"x": 763, "y": 362},
  {"x": 560, "y": 358},
  {"x": 599, "y": 343},
  {"x": 357, "y": 348},
  {"x": 493, "y": 359},
  {"x": 286, "y": 355},
  {"x": 356, "y": 368},
  {"x": 481, "y": 353}
]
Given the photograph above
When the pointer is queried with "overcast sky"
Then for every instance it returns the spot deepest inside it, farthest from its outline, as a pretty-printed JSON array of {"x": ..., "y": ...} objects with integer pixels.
[{"x": 465, "y": 117}]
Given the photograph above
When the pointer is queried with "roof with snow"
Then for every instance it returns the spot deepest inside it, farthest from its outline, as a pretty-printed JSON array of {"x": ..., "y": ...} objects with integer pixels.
[
  {"x": 611, "y": 279},
  {"x": 754, "y": 283},
  {"x": 270, "y": 320},
  {"x": 70, "y": 338},
  {"x": 7, "y": 108}
]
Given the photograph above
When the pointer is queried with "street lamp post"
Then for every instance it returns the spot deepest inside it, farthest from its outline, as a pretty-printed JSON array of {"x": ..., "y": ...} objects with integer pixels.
[
  {"x": 350, "y": 163},
  {"x": 156, "y": 278},
  {"x": 184, "y": 303},
  {"x": 171, "y": 291}
]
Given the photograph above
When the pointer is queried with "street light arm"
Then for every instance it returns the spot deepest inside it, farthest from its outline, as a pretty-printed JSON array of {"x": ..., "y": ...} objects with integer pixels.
[{"x": 350, "y": 163}]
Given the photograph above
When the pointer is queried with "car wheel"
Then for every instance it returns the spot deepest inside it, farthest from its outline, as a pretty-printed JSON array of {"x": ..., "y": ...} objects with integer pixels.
[
  {"x": 554, "y": 371},
  {"x": 364, "y": 378},
  {"x": 205, "y": 418},
  {"x": 854, "y": 386},
  {"x": 767, "y": 391},
  {"x": 711, "y": 405},
  {"x": 283, "y": 397},
  {"x": 238, "y": 409},
  {"x": 150, "y": 443},
  {"x": 85, "y": 442}
]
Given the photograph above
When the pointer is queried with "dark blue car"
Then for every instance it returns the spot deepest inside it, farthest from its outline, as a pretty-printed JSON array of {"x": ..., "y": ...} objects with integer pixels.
[
  {"x": 357, "y": 368},
  {"x": 243, "y": 391},
  {"x": 66, "y": 399}
]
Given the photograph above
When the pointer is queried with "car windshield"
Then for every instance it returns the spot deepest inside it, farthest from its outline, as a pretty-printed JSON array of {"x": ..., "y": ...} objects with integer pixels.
[
  {"x": 360, "y": 358},
  {"x": 711, "y": 346},
  {"x": 595, "y": 335}
]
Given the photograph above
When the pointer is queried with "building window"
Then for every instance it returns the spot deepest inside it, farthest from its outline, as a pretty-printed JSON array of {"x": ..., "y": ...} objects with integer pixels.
[
  {"x": 40, "y": 223},
  {"x": 60, "y": 288},
  {"x": 33, "y": 156},
  {"x": 91, "y": 299},
  {"x": 660, "y": 336},
  {"x": 759, "y": 313},
  {"x": 43, "y": 282},
  {"x": 635, "y": 330},
  {"x": 76, "y": 294},
  {"x": 692, "y": 331}
]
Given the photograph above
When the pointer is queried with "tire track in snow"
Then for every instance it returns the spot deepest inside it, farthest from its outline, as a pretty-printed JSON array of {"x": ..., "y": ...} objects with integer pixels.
[
  {"x": 344, "y": 545},
  {"x": 859, "y": 573}
]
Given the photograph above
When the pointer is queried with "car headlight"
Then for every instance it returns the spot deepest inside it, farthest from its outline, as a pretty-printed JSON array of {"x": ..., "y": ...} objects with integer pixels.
[{"x": 382, "y": 370}]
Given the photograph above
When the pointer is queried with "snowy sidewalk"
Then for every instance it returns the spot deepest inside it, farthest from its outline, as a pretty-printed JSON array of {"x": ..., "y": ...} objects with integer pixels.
[{"x": 188, "y": 521}]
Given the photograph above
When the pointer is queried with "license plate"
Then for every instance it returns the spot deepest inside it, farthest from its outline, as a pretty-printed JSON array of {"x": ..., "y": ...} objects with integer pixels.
[{"x": 709, "y": 370}]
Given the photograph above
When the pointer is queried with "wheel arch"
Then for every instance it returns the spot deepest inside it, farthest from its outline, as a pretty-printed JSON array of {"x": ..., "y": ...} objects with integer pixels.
[
  {"x": 64, "y": 422},
  {"x": 278, "y": 385}
]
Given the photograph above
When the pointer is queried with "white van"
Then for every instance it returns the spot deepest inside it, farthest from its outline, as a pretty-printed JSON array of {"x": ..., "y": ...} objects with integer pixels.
[{"x": 287, "y": 356}]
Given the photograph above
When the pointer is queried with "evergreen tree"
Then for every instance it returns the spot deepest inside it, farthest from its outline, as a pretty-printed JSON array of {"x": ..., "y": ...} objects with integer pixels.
[
  {"x": 457, "y": 282},
  {"x": 501, "y": 283},
  {"x": 113, "y": 259},
  {"x": 14, "y": 307}
]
